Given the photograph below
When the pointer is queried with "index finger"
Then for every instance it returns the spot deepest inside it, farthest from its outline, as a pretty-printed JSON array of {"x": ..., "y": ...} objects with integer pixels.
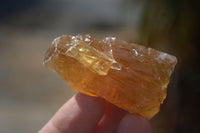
[{"x": 80, "y": 114}]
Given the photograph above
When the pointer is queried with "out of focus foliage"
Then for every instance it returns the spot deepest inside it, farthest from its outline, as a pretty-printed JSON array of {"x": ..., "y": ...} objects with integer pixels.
[{"x": 175, "y": 25}]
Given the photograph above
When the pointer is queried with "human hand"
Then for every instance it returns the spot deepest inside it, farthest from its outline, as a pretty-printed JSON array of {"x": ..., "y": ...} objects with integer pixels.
[{"x": 86, "y": 114}]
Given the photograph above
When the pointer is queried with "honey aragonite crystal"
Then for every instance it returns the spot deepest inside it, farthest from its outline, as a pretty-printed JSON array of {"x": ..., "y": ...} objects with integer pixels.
[{"x": 127, "y": 75}]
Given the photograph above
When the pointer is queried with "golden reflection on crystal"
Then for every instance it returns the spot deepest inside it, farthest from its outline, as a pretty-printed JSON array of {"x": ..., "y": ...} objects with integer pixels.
[{"x": 90, "y": 57}]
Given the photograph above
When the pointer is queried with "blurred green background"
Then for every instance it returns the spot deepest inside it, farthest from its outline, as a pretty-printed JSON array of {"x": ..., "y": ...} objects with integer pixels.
[{"x": 30, "y": 94}]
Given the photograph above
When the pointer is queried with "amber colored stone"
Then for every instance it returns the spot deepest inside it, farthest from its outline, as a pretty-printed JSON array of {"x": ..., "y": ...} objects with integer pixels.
[{"x": 127, "y": 75}]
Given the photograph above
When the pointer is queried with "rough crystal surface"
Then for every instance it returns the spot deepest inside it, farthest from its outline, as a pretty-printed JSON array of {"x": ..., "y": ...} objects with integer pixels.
[{"x": 129, "y": 76}]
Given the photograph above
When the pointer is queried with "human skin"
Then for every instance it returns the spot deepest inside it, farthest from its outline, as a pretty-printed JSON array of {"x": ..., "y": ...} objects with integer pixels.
[{"x": 86, "y": 114}]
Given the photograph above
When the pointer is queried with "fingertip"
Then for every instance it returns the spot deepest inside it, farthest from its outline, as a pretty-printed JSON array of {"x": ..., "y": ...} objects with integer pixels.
[{"x": 134, "y": 123}]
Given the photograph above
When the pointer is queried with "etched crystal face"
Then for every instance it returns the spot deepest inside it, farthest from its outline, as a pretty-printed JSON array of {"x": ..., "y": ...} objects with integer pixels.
[{"x": 129, "y": 76}]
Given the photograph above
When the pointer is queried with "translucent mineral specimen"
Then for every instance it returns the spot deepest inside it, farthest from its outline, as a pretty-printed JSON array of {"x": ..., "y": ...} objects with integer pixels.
[{"x": 129, "y": 76}]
